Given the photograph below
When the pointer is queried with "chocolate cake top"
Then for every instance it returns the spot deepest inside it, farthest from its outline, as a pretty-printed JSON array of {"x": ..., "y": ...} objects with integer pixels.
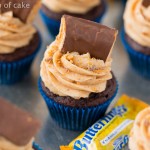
[
  {"x": 83, "y": 36},
  {"x": 16, "y": 125},
  {"x": 146, "y": 3},
  {"x": 25, "y": 10}
]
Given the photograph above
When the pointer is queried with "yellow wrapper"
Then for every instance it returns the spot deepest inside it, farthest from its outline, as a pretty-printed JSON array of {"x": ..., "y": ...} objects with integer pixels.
[{"x": 110, "y": 132}]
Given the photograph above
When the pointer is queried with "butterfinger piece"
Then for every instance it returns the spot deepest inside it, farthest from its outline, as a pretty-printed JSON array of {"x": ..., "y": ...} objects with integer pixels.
[
  {"x": 83, "y": 36},
  {"x": 16, "y": 125},
  {"x": 26, "y": 14}
]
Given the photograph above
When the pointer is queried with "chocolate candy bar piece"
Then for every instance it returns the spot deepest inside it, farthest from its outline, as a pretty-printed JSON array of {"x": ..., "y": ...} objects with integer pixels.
[
  {"x": 83, "y": 36},
  {"x": 16, "y": 125},
  {"x": 25, "y": 10},
  {"x": 146, "y": 3}
]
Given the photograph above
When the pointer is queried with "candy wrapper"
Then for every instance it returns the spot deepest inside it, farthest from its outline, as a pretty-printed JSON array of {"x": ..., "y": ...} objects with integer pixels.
[{"x": 110, "y": 132}]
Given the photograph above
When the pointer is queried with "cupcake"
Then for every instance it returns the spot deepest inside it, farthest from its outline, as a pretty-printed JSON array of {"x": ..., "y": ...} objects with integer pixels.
[
  {"x": 76, "y": 79},
  {"x": 53, "y": 10},
  {"x": 140, "y": 134},
  {"x": 17, "y": 128},
  {"x": 19, "y": 42},
  {"x": 136, "y": 35}
]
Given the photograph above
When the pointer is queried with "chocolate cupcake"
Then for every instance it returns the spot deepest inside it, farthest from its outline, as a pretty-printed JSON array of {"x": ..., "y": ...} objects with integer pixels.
[
  {"x": 136, "y": 35},
  {"x": 17, "y": 128},
  {"x": 19, "y": 42},
  {"x": 76, "y": 79},
  {"x": 53, "y": 10}
]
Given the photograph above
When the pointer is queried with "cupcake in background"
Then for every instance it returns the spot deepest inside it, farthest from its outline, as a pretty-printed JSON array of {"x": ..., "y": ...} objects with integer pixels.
[
  {"x": 19, "y": 41},
  {"x": 136, "y": 35},
  {"x": 17, "y": 128},
  {"x": 140, "y": 135},
  {"x": 76, "y": 79},
  {"x": 53, "y": 10}
]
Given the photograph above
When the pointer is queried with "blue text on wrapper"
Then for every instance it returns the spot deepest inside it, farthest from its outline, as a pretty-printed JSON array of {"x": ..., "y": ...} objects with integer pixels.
[
  {"x": 120, "y": 142},
  {"x": 83, "y": 143}
]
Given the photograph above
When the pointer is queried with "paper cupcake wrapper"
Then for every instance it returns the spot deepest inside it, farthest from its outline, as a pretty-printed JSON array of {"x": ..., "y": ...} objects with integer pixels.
[
  {"x": 124, "y": 1},
  {"x": 53, "y": 25},
  {"x": 12, "y": 72},
  {"x": 139, "y": 61},
  {"x": 71, "y": 118},
  {"x": 36, "y": 146}
]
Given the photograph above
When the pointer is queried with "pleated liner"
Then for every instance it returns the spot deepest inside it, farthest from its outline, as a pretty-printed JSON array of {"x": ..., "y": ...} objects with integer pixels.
[
  {"x": 36, "y": 146},
  {"x": 71, "y": 118},
  {"x": 12, "y": 72},
  {"x": 124, "y": 1},
  {"x": 53, "y": 25},
  {"x": 139, "y": 61}
]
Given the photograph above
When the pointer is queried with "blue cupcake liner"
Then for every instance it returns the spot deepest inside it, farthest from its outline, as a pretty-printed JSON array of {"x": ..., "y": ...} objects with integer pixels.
[
  {"x": 77, "y": 119},
  {"x": 124, "y": 1},
  {"x": 12, "y": 72},
  {"x": 139, "y": 61},
  {"x": 54, "y": 25},
  {"x": 36, "y": 146}
]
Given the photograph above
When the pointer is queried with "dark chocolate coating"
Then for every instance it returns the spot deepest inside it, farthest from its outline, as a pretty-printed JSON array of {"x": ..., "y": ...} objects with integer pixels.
[
  {"x": 146, "y": 3},
  {"x": 93, "y": 100},
  {"x": 23, "y": 51},
  {"x": 136, "y": 46},
  {"x": 16, "y": 125},
  {"x": 21, "y": 13},
  {"x": 85, "y": 36},
  {"x": 90, "y": 15}
]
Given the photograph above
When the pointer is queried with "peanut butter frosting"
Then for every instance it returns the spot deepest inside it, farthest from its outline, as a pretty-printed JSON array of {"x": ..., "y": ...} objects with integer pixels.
[
  {"x": 72, "y": 74},
  {"x": 137, "y": 22},
  {"x": 140, "y": 134},
  {"x": 7, "y": 145},
  {"x": 14, "y": 33},
  {"x": 71, "y": 6}
]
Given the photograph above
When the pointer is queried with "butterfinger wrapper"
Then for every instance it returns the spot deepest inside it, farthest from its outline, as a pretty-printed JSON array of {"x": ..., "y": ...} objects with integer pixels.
[
  {"x": 25, "y": 10},
  {"x": 83, "y": 36},
  {"x": 112, "y": 131}
]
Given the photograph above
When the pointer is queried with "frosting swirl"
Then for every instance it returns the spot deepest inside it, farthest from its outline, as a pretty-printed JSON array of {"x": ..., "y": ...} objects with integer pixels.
[
  {"x": 7, "y": 145},
  {"x": 71, "y": 6},
  {"x": 137, "y": 22},
  {"x": 72, "y": 74},
  {"x": 140, "y": 134},
  {"x": 14, "y": 33}
]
